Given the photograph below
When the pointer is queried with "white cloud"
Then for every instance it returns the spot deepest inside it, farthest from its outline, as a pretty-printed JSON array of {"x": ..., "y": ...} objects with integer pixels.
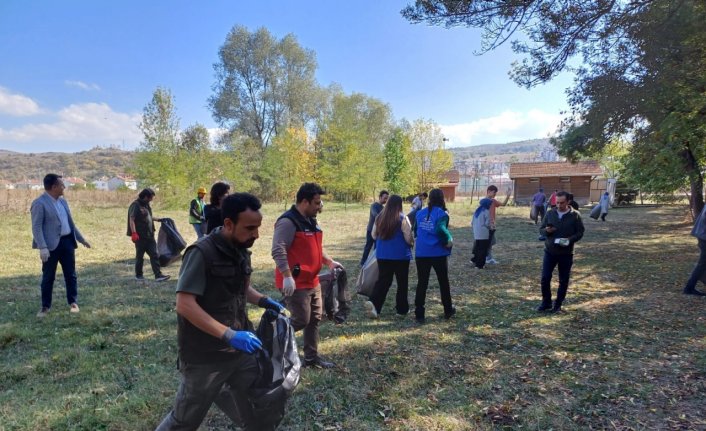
[
  {"x": 215, "y": 134},
  {"x": 82, "y": 85},
  {"x": 17, "y": 105},
  {"x": 93, "y": 123},
  {"x": 509, "y": 126}
]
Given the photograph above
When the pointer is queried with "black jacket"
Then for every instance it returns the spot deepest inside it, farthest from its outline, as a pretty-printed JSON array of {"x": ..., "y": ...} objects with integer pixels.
[{"x": 569, "y": 226}]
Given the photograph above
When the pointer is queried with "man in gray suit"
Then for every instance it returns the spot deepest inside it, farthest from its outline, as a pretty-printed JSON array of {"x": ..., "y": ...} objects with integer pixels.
[{"x": 56, "y": 237}]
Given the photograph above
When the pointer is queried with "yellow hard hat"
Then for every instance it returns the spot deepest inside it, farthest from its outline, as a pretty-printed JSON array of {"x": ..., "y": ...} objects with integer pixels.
[{"x": 201, "y": 190}]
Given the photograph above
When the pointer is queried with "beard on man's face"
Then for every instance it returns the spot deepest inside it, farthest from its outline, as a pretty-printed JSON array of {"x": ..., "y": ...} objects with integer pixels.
[{"x": 247, "y": 244}]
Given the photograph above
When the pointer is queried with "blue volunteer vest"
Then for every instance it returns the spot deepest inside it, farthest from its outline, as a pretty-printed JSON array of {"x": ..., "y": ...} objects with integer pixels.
[
  {"x": 395, "y": 248},
  {"x": 428, "y": 243}
]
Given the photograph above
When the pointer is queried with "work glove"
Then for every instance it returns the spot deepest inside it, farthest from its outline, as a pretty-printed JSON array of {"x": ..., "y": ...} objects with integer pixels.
[
  {"x": 135, "y": 237},
  {"x": 270, "y": 304},
  {"x": 245, "y": 341},
  {"x": 44, "y": 254},
  {"x": 333, "y": 265},
  {"x": 289, "y": 286}
]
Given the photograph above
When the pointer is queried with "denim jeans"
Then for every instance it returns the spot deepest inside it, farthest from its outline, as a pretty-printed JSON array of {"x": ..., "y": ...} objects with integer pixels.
[
  {"x": 699, "y": 269},
  {"x": 369, "y": 243},
  {"x": 551, "y": 261},
  {"x": 65, "y": 254},
  {"x": 198, "y": 227}
]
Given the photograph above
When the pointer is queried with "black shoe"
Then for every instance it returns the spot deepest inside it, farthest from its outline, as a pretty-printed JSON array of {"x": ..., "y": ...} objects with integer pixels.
[
  {"x": 162, "y": 277},
  {"x": 420, "y": 320},
  {"x": 694, "y": 292},
  {"x": 544, "y": 307},
  {"x": 556, "y": 309},
  {"x": 318, "y": 363},
  {"x": 450, "y": 314}
]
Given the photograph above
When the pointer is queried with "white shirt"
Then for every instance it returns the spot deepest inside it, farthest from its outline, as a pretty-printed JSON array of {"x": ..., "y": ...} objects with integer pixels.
[{"x": 63, "y": 217}]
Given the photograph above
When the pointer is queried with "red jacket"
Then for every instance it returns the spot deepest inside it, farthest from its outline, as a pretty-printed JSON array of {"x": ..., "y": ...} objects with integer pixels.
[{"x": 306, "y": 252}]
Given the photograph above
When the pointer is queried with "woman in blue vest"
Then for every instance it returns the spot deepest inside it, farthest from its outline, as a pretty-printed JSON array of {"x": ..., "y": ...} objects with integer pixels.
[
  {"x": 392, "y": 232},
  {"x": 433, "y": 248}
]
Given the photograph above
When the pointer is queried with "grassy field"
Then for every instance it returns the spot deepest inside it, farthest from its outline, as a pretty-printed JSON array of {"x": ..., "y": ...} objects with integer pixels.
[{"x": 628, "y": 353}]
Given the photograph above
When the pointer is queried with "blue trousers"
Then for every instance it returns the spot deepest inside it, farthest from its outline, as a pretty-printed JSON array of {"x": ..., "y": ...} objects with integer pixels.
[
  {"x": 551, "y": 261},
  {"x": 65, "y": 254},
  {"x": 198, "y": 227},
  {"x": 369, "y": 243},
  {"x": 699, "y": 269}
]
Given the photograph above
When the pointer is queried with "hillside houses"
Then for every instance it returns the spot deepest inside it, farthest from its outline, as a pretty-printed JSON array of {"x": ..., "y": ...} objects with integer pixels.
[{"x": 103, "y": 183}]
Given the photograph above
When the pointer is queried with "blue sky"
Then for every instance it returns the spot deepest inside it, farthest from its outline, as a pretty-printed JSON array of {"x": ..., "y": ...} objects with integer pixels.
[{"x": 76, "y": 74}]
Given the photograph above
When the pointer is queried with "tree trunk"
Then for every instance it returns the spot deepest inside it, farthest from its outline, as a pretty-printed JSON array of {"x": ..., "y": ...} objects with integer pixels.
[{"x": 696, "y": 181}]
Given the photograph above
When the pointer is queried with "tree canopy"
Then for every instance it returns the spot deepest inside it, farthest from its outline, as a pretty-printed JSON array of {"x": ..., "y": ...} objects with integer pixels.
[
  {"x": 263, "y": 85},
  {"x": 640, "y": 73}
]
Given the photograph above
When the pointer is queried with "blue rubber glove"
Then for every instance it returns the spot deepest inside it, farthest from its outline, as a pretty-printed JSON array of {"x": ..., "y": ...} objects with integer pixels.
[
  {"x": 245, "y": 341},
  {"x": 270, "y": 304}
]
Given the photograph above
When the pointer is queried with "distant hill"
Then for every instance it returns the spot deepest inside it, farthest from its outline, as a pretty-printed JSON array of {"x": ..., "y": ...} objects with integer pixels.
[
  {"x": 528, "y": 150},
  {"x": 89, "y": 165}
]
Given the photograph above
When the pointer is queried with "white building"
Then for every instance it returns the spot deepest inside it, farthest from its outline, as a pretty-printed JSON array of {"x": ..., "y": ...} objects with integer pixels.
[
  {"x": 122, "y": 181},
  {"x": 101, "y": 183},
  {"x": 29, "y": 185}
]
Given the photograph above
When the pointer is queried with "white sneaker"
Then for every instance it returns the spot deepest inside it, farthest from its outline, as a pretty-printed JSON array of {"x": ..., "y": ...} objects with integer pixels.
[
  {"x": 370, "y": 309},
  {"x": 491, "y": 261}
]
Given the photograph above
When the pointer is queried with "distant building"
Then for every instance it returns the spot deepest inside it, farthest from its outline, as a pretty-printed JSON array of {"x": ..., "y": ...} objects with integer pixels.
[
  {"x": 122, "y": 181},
  {"x": 449, "y": 187},
  {"x": 101, "y": 183},
  {"x": 29, "y": 185},
  {"x": 574, "y": 178},
  {"x": 7, "y": 185},
  {"x": 74, "y": 182}
]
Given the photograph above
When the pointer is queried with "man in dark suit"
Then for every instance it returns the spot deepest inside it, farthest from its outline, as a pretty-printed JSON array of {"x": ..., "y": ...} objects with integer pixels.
[{"x": 56, "y": 236}]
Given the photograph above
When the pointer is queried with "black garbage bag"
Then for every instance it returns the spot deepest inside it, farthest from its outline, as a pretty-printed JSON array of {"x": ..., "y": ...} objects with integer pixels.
[
  {"x": 170, "y": 243},
  {"x": 279, "y": 370},
  {"x": 334, "y": 289},
  {"x": 278, "y": 375}
]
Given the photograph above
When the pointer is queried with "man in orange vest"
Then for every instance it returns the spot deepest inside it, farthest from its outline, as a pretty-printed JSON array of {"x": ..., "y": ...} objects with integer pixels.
[{"x": 297, "y": 249}]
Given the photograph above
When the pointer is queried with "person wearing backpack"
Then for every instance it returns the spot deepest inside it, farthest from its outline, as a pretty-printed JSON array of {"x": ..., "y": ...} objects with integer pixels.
[
  {"x": 393, "y": 244},
  {"x": 215, "y": 340},
  {"x": 433, "y": 248},
  {"x": 196, "y": 212}
]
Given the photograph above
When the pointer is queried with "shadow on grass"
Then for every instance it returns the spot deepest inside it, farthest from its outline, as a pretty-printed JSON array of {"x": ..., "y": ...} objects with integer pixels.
[{"x": 627, "y": 354}]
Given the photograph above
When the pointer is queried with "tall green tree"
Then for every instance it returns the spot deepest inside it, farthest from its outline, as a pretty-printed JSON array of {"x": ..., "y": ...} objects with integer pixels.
[
  {"x": 398, "y": 157},
  {"x": 263, "y": 85},
  {"x": 156, "y": 156},
  {"x": 430, "y": 159},
  {"x": 288, "y": 162},
  {"x": 195, "y": 138},
  {"x": 350, "y": 139}
]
